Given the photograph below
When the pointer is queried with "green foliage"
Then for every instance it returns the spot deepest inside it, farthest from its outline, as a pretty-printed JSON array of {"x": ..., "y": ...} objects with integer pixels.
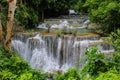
[
  {"x": 5, "y": 74},
  {"x": 105, "y": 13},
  {"x": 22, "y": 14},
  {"x": 95, "y": 62},
  {"x": 58, "y": 32},
  {"x": 80, "y": 6},
  {"x": 110, "y": 75},
  {"x": 23, "y": 76},
  {"x": 97, "y": 67},
  {"x": 98, "y": 63},
  {"x": 115, "y": 36},
  {"x": 26, "y": 14},
  {"x": 64, "y": 31},
  {"x": 3, "y": 13},
  {"x": 115, "y": 62},
  {"x": 29, "y": 14},
  {"x": 14, "y": 68},
  {"x": 74, "y": 32},
  {"x": 114, "y": 39},
  {"x": 72, "y": 74}
]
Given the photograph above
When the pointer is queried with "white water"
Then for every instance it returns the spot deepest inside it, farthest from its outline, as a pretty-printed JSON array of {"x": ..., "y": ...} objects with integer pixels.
[
  {"x": 64, "y": 24},
  {"x": 71, "y": 11},
  {"x": 42, "y": 26},
  {"x": 51, "y": 53},
  {"x": 19, "y": 46}
]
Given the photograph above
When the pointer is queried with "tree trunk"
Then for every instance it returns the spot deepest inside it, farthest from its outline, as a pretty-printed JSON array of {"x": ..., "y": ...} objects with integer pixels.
[
  {"x": 42, "y": 16},
  {"x": 11, "y": 10},
  {"x": 1, "y": 33},
  {"x": 21, "y": 1}
]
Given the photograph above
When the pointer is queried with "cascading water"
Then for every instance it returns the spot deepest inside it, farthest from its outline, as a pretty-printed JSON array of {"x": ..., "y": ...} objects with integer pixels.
[
  {"x": 67, "y": 22},
  {"x": 51, "y": 53}
]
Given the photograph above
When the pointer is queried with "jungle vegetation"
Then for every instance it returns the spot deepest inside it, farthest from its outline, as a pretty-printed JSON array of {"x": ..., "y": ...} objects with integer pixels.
[{"x": 28, "y": 14}]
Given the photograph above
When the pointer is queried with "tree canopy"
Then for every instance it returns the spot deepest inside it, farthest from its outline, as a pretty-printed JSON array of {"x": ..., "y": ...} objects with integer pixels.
[
  {"x": 105, "y": 12},
  {"x": 30, "y": 13}
]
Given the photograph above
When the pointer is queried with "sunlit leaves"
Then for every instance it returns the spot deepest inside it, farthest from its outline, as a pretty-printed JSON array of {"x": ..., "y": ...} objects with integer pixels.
[
  {"x": 5, "y": 74},
  {"x": 23, "y": 76},
  {"x": 110, "y": 75},
  {"x": 72, "y": 74},
  {"x": 25, "y": 14},
  {"x": 111, "y": 6},
  {"x": 14, "y": 68}
]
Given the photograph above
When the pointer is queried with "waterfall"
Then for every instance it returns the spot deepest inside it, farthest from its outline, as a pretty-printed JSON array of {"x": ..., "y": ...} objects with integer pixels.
[
  {"x": 19, "y": 46},
  {"x": 73, "y": 23},
  {"x": 59, "y": 49},
  {"x": 51, "y": 53}
]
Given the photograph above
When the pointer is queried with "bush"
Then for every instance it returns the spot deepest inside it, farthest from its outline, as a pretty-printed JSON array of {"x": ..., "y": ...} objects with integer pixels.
[
  {"x": 14, "y": 68},
  {"x": 96, "y": 62},
  {"x": 72, "y": 74},
  {"x": 58, "y": 32},
  {"x": 98, "y": 66},
  {"x": 99, "y": 63},
  {"x": 115, "y": 39},
  {"x": 110, "y": 75}
]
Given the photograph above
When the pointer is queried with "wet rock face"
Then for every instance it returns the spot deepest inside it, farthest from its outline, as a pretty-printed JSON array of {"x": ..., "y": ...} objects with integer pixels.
[{"x": 51, "y": 53}]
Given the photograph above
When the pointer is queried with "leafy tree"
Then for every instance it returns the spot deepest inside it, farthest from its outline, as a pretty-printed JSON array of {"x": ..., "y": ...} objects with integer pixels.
[
  {"x": 99, "y": 63},
  {"x": 79, "y": 6},
  {"x": 104, "y": 12},
  {"x": 114, "y": 40},
  {"x": 30, "y": 13}
]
